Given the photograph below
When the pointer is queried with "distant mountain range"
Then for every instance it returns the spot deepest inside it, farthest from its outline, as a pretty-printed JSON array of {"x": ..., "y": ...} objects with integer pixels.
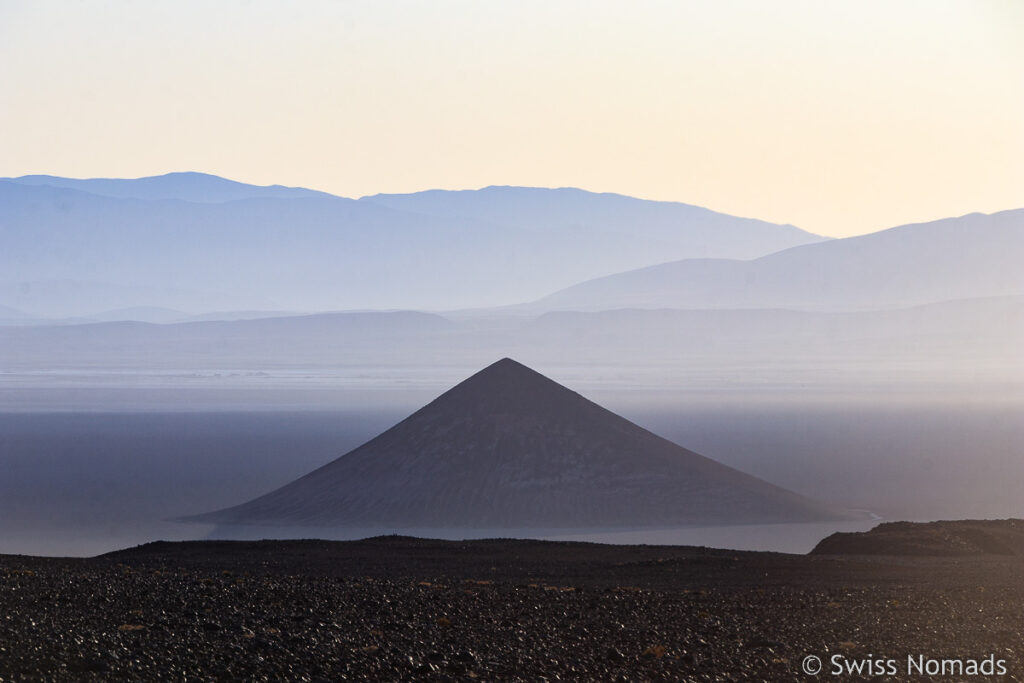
[
  {"x": 326, "y": 338},
  {"x": 188, "y": 187},
  {"x": 225, "y": 271},
  {"x": 972, "y": 256},
  {"x": 969, "y": 342},
  {"x": 197, "y": 243}
]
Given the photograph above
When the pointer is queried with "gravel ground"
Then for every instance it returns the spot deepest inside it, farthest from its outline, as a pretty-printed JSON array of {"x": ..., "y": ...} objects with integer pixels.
[{"x": 403, "y": 609}]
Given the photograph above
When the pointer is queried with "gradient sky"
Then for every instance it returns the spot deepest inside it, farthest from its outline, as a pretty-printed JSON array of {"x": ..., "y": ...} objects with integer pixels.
[{"x": 839, "y": 117}]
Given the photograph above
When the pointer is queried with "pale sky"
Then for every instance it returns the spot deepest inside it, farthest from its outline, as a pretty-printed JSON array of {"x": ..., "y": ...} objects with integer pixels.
[{"x": 839, "y": 117}]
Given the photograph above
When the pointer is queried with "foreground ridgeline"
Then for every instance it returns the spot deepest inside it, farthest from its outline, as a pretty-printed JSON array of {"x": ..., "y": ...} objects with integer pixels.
[
  {"x": 950, "y": 538},
  {"x": 403, "y": 609},
  {"x": 509, "y": 448}
]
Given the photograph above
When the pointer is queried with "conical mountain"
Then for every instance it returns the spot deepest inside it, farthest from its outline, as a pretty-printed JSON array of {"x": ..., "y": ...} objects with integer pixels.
[{"x": 510, "y": 448}]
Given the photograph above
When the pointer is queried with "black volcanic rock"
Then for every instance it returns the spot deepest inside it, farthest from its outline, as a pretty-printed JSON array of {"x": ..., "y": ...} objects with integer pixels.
[
  {"x": 510, "y": 448},
  {"x": 400, "y": 609},
  {"x": 954, "y": 538}
]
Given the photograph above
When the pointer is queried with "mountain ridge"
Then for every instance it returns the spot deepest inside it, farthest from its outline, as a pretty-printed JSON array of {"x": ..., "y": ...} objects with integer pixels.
[
  {"x": 191, "y": 186},
  {"x": 340, "y": 253},
  {"x": 970, "y": 256}
]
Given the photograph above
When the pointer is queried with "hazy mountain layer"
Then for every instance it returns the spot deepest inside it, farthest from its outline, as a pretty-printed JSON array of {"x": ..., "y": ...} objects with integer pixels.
[
  {"x": 615, "y": 220},
  {"x": 71, "y": 248},
  {"x": 510, "y": 448},
  {"x": 326, "y": 339},
  {"x": 959, "y": 342},
  {"x": 190, "y": 187},
  {"x": 8, "y": 313},
  {"x": 972, "y": 256}
]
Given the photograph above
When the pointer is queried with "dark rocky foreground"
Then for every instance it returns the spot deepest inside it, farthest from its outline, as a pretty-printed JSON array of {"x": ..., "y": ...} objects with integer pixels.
[{"x": 394, "y": 608}]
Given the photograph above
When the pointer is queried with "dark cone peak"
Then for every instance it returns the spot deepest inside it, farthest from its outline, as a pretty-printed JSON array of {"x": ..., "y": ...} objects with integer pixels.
[
  {"x": 507, "y": 368},
  {"x": 504, "y": 387}
]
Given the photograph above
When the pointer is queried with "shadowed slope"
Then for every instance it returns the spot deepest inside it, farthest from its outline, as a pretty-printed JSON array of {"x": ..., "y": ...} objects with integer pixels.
[{"x": 510, "y": 448}]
